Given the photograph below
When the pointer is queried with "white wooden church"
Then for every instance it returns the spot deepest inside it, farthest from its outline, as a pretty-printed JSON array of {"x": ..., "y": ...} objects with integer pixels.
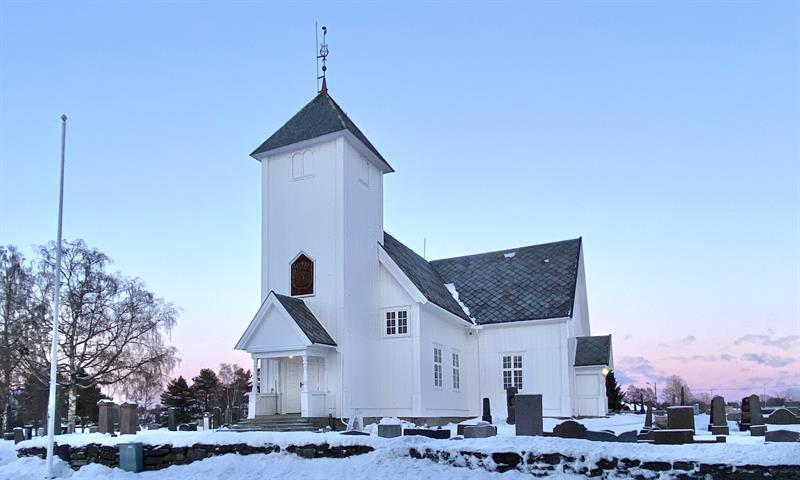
[{"x": 353, "y": 322}]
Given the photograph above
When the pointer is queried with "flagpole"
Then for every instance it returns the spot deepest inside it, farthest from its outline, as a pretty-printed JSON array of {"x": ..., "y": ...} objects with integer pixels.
[{"x": 51, "y": 407}]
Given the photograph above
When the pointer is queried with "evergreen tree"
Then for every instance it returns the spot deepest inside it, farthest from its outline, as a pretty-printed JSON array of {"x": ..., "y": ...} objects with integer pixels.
[
  {"x": 207, "y": 389},
  {"x": 179, "y": 396},
  {"x": 614, "y": 393}
]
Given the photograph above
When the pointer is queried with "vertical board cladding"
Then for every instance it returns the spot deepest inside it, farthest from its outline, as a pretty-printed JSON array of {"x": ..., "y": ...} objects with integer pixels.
[
  {"x": 439, "y": 329},
  {"x": 393, "y": 385},
  {"x": 545, "y": 369},
  {"x": 362, "y": 205}
]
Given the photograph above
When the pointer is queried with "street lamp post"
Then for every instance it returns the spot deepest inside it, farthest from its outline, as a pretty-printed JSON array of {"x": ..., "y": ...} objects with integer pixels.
[{"x": 51, "y": 407}]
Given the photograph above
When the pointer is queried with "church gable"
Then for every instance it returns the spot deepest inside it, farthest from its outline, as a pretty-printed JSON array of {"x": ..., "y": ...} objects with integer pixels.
[{"x": 283, "y": 323}]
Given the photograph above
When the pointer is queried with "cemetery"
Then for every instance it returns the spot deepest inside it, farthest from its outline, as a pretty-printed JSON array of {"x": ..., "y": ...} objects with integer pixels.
[{"x": 524, "y": 441}]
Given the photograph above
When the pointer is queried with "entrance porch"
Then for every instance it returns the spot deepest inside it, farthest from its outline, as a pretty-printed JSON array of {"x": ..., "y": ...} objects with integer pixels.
[{"x": 288, "y": 383}]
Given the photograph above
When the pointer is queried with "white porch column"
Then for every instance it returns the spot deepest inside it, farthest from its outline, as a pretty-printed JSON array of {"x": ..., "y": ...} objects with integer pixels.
[
  {"x": 304, "y": 400},
  {"x": 251, "y": 400}
]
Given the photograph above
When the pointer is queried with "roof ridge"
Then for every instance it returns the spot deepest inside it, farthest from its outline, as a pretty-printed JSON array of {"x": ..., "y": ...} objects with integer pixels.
[{"x": 508, "y": 249}]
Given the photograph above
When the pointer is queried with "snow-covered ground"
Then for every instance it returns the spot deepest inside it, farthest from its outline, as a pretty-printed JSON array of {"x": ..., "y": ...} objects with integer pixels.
[{"x": 390, "y": 458}]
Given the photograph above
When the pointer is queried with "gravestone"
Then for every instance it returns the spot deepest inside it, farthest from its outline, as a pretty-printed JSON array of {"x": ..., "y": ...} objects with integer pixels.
[
  {"x": 487, "y": 411},
  {"x": 672, "y": 437},
  {"x": 19, "y": 435},
  {"x": 628, "y": 437},
  {"x": 511, "y": 392},
  {"x": 680, "y": 418},
  {"x": 131, "y": 457},
  {"x": 719, "y": 423},
  {"x": 570, "y": 429},
  {"x": 93, "y": 429},
  {"x": 28, "y": 430},
  {"x": 105, "y": 418},
  {"x": 172, "y": 423},
  {"x": 529, "y": 419},
  {"x": 206, "y": 421},
  {"x": 8, "y": 436},
  {"x": 128, "y": 421},
  {"x": 757, "y": 426},
  {"x": 390, "y": 430},
  {"x": 217, "y": 417},
  {"x": 683, "y": 397},
  {"x": 187, "y": 427},
  {"x": 648, "y": 418},
  {"x": 228, "y": 416},
  {"x": 783, "y": 416},
  {"x": 481, "y": 430},
  {"x": 782, "y": 436},
  {"x": 601, "y": 436},
  {"x": 439, "y": 434}
]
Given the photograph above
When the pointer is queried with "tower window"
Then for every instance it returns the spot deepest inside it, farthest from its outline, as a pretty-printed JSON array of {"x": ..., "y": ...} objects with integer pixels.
[{"x": 302, "y": 276}]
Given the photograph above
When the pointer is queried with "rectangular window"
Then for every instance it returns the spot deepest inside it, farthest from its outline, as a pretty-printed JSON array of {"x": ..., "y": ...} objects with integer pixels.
[
  {"x": 396, "y": 322},
  {"x": 512, "y": 371},
  {"x": 456, "y": 372},
  {"x": 391, "y": 323},
  {"x": 402, "y": 322},
  {"x": 437, "y": 367}
]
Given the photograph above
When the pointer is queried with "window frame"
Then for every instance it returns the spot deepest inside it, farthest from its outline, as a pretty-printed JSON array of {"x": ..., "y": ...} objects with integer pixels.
[
  {"x": 397, "y": 322},
  {"x": 513, "y": 370},
  {"x": 455, "y": 366},
  {"x": 438, "y": 374}
]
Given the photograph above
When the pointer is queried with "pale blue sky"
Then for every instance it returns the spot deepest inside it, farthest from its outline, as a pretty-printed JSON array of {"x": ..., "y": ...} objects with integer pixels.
[{"x": 667, "y": 135}]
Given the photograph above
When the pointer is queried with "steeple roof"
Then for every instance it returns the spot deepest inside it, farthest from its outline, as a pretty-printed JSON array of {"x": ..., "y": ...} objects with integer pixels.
[{"x": 321, "y": 116}]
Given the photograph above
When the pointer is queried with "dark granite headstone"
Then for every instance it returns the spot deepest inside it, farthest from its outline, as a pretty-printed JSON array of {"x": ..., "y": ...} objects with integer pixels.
[
  {"x": 440, "y": 434},
  {"x": 128, "y": 422},
  {"x": 570, "y": 429},
  {"x": 782, "y": 436},
  {"x": 389, "y": 431},
  {"x": 217, "y": 417},
  {"x": 529, "y": 416},
  {"x": 672, "y": 437},
  {"x": 172, "y": 423},
  {"x": 487, "y": 411},
  {"x": 511, "y": 392},
  {"x": 680, "y": 418},
  {"x": 628, "y": 437},
  {"x": 719, "y": 423},
  {"x": 28, "y": 430},
  {"x": 105, "y": 422},
  {"x": 483, "y": 430},
  {"x": 601, "y": 436},
  {"x": 783, "y": 416},
  {"x": 757, "y": 426},
  {"x": 19, "y": 435},
  {"x": 187, "y": 427}
]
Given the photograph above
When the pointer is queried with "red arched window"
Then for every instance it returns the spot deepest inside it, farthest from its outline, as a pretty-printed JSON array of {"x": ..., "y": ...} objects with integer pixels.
[{"x": 302, "y": 276}]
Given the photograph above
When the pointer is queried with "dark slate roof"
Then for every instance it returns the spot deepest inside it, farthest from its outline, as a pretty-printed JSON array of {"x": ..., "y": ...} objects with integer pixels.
[
  {"x": 536, "y": 283},
  {"x": 422, "y": 275},
  {"x": 593, "y": 351},
  {"x": 306, "y": 320},
  {"x": 320, "y": 116}
]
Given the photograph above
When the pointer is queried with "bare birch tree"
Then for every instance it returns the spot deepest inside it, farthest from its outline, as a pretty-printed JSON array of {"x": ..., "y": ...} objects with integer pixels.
[{"x": 111, "y": 327}]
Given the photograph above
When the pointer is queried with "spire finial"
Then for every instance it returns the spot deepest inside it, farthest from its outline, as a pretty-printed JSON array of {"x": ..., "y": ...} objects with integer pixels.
[{"x": 323, "y": 54}]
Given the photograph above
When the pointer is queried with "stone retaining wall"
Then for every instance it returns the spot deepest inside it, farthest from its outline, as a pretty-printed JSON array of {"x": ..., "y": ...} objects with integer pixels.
[
  {"x": 157, "y": 457},
  {"x": 552, "y": 463},
  {"x": 537, "y": 464}
]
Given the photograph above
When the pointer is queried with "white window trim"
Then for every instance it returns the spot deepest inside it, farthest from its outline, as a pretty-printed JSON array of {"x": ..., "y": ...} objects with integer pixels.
[
  {"x": 436, "y": 346},
  {"x": 454, "y": 368},
  {"x": 512, "y": 369},
  {"x": 384, "y": 311}
]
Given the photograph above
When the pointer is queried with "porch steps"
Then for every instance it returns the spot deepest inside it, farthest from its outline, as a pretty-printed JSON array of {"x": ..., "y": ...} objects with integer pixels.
[{"x": 275, "y": 423}]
